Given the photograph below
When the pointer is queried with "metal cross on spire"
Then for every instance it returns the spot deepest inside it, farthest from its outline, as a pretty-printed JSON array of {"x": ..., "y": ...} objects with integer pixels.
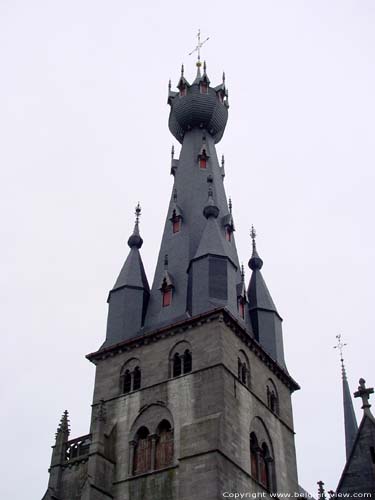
[
  {"x": 340, "y": 346},
  {"x": 198, "y": 47}
]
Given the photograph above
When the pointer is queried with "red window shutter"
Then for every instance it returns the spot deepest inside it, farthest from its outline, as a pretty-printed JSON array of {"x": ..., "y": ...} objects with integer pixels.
[
  {"x": 204, "y": 88},
  {"x": 167, "y": 297},
  {"x": 176, "y": 224},
  {"x": 203, "y": 162},
  {"x": 164, "y": 450},
  {"x": 228, "y": 233},
  {"x": 142, "y": 456},
  {"x": 254, "y": 468}
]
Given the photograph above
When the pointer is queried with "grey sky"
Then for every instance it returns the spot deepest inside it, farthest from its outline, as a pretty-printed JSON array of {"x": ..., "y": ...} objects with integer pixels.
[{"x": 83, "y": 122}]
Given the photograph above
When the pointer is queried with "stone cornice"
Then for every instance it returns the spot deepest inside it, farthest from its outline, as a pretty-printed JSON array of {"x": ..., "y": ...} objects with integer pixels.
[{"x": 219, "y": 314}]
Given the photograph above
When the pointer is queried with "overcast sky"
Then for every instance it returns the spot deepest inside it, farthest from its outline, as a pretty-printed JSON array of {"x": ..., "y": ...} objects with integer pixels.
[{"x": 84, "y": 136}]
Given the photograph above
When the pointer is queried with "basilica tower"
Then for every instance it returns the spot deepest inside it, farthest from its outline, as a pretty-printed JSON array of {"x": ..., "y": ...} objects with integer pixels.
[{"x": 192, "y": 396}]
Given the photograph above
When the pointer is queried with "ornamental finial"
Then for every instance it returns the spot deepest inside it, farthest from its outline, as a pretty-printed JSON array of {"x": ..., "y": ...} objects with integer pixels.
[
  {"x": 230, "y": 206},
  {"x": 364, "y": 393},
  {"x": 321, "y": 492},
  {"x": 198, "y": 48},
  {"x": 253, "y": 235},
  {"x": 182, "y": 70},
  {"x": 138, "y": 211},
  {"x": 242, "y": 273}
]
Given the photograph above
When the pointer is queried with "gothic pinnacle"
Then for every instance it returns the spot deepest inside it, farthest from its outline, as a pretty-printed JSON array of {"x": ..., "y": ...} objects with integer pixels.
[
  {"x": 64, "y": 424},
  {"x": 210, "y": 210}
]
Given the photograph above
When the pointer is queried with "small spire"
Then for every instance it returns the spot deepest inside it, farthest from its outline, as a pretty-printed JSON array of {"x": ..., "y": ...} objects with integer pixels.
[
  {"x": 166, "y": 261},
  {"x": 169, "y": 84},
  {"x": 321, "y": 492},
  {"x": 242, "y": 273},
  {"x": 230, "y": 205},
  {"x": 204, "y": 67},
  {"x": 182, "y": 70},
  {"x": 364, "y": 393},
  {"x": 223, "y": 77},
  {"x": 255, "y": 262},
  {"x": 135, "y": 239},
  {"x": 350, "y": 421},
  {"x": 172, "y": 151},
  {"x": 64, "y": 427}
]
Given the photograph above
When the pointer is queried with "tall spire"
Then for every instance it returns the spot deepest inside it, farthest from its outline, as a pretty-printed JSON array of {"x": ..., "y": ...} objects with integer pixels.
[{"x": 350, "y": 420}]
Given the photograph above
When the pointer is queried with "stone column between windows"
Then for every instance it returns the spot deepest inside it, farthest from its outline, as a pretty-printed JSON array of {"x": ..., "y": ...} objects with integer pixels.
[{"x": 132, "y": 445}]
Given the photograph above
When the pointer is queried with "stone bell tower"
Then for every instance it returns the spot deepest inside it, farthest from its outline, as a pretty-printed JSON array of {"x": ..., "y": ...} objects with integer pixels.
[{"x": 192, "y": 396}]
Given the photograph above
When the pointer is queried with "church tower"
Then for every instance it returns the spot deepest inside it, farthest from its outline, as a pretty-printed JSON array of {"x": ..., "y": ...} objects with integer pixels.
[{"x": 192, "y": 396}]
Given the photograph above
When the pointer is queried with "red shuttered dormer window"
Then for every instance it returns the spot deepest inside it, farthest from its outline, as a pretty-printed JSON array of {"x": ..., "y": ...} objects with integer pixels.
[
  {"x": 204, "y": 88},
  {"x": 228, "y": 233},
  {"x": 183, "y": 91},
  {"x": 167, "y": 297},
  {"x": 202, "y": 162},
  {"x": 176, "y": 224}
]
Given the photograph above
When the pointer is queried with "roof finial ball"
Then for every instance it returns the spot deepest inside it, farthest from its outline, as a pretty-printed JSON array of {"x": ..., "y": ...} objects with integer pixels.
[
  {"x": 135, "y": 240},
  {"x": 255, "y": 263}
]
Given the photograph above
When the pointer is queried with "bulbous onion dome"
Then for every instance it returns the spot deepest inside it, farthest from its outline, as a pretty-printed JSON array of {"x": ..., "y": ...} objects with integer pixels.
[{"x": 197, "y": 107}]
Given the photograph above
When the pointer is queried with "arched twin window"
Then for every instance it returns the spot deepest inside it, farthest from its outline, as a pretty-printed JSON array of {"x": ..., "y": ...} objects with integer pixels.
[
  {"x": 272, "y": 397},
  {"x": 131, "y": 376},
  {"x": 181, "y": 359},
  {"x": 261, "y": 462},
  {"x": 153, "y": 451},
  {"x": 182, "y": 363}
]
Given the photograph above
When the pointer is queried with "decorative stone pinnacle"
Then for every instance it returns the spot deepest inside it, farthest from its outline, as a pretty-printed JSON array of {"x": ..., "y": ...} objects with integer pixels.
[
  {"x": 242, "y": 273},
  {"x": 223, "y": 77},
  {"x": 182, "y": 70},
  {"x": 64, "y": 427},
  {"x": 172, "y": 151},
  {"x": 222, "y": 161},
  {"x": 166, "y": 261},
  {"x": 364, "y": 393},
  {"x": 169, "y": 84},
  {"x": 204, "y": 66},
  {"x": 230, "y": 205}
]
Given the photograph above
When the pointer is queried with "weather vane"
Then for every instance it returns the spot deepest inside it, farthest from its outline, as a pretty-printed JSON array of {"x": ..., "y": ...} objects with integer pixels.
[
  {"x": 340, "y": 346},
  {"x": 137, "y": 213},
  {"x": 198, "y": 47}
]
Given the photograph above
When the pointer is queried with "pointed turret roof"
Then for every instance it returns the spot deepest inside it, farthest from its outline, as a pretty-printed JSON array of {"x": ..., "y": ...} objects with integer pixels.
[
  {"x": 258, "y": 293},
  {"x": 132, "y": 273}
]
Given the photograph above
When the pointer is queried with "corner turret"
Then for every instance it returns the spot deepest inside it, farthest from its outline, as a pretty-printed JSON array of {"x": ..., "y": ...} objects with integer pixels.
[
  {"x": 265, "y": 320},
  {"x": 128, "y": 298}
]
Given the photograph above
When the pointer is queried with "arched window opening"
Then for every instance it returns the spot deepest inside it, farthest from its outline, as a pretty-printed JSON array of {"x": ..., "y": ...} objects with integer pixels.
[
  {"x": 254, "y": 456},
  {"x": 272, "y": 399},
  {"x": 142, "y": 452},
  {"x": 187, "y": 364},
  {"x": 264, "y": 472},
  {"x": 372, "y": 452},
  {"x": 136, "y": 378},
  {"x": 164, "y": 445},
  {"x": 127, "y": 382},
  {"x": 177, "y": 365},
  {"x": 244, "y": 374}
]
